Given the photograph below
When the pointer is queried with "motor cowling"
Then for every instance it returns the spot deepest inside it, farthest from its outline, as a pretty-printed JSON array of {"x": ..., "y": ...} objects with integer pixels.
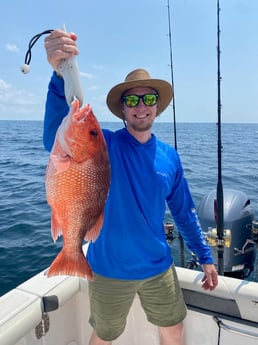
[{"x": 239, "y": 246}]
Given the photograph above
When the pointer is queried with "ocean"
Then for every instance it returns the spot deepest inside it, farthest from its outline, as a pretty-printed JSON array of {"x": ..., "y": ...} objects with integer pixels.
[{"x": 26, "y": 245}]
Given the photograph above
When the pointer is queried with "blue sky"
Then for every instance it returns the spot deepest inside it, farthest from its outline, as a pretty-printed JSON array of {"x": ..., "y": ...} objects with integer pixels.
[{"x": 115, "y": 37}]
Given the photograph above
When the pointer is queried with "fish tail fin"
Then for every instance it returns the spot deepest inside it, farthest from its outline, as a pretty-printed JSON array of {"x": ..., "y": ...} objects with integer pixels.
[{"x": 72, "y": 265}]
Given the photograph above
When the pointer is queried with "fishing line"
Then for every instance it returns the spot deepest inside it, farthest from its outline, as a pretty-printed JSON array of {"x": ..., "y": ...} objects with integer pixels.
[{"x": 25, "y": 68}]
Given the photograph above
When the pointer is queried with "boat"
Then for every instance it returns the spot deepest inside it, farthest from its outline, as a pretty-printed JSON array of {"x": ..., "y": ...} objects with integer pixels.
[{"x": 55, "y": 310}]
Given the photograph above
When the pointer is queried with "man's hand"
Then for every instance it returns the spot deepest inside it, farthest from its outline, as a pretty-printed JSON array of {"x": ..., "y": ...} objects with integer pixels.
[
  {"x": 210, "y": 278},
  {"x": 60, "y": 45}
]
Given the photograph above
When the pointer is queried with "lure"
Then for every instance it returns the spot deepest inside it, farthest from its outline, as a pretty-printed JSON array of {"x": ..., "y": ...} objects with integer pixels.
[{"x": 68, "y": 68}]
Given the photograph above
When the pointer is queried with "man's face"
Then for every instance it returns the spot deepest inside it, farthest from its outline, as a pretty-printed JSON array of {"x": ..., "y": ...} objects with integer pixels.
[{"x": 140, "y": 117}]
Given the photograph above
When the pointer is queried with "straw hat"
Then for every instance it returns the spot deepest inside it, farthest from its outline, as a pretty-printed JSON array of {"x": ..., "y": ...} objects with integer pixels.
[{"x": 139, "y": 78}]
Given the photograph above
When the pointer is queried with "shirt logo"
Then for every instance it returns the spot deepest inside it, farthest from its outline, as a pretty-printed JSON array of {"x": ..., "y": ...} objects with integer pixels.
[{"x": 164, "y": 174}]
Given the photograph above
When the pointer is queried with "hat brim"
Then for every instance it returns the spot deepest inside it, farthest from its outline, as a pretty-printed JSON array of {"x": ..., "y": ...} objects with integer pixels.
[{"x": 163, "y": 88}]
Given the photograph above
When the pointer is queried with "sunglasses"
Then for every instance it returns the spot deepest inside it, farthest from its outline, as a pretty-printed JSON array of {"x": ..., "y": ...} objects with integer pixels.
[{"x": 148, "y": 99}]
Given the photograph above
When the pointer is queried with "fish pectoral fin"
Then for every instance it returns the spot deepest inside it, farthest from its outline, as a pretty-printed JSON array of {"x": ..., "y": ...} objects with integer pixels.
[
  {"x": 61, "y": 163},
  {"x": 56, "y": 230},
  {"x": 93, "y": 233}
]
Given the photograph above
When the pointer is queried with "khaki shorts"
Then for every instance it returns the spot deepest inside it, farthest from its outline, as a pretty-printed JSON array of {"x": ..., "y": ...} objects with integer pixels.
[{"x": 111, "y": 299}]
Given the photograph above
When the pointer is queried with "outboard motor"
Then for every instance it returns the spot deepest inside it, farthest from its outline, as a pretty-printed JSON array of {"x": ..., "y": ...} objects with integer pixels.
[{"x": 239, "y": 247}]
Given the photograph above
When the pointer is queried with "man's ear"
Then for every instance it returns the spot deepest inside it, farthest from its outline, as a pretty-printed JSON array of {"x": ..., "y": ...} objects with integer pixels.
[
  {"x": 122, "y": 107},
  {"x": 157, "y": 107}
]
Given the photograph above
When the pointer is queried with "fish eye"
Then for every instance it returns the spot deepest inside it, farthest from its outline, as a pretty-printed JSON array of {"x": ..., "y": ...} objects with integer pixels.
[{"x": 94, "y": 133}]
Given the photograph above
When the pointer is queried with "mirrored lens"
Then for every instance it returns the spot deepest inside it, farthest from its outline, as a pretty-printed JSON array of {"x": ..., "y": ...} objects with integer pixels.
[
  {"x": 149, "y": 99},
  {"x": 132, "y": 100}
]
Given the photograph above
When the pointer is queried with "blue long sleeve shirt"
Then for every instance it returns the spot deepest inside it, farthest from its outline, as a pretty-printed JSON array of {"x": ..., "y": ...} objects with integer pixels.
[{"x": 144, "y": 177}]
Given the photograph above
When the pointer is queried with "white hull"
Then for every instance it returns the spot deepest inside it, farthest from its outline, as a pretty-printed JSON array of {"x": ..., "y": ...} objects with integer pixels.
[{"x": 234, "y": 302}]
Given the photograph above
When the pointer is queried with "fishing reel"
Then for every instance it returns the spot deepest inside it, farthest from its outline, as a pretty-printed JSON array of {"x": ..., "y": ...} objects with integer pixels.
[
  {"x": 254, "y": 230},
  {"x": 169, "y": 232},
  {"x": 214, "y": 241}
]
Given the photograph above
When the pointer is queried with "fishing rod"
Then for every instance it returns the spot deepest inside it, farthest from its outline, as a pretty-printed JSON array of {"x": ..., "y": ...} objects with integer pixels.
[
  {"x": 172, "y": 74},
  {"x": 181, "y": 241},
  {"x": 219, "y": 202}
]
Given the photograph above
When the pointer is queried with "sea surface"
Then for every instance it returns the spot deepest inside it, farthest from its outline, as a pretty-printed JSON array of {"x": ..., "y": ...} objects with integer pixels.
[{"x": 26, "y": 245}]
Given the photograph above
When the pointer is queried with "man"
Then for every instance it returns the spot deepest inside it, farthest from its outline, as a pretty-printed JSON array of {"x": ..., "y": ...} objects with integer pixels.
[{"x": 131, "y": 254}]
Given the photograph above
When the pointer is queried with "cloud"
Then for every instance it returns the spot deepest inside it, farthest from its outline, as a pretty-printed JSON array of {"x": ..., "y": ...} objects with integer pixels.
[
  {"x": 4, "y": 87},
  {"x": 15, "y": 101},
  {"x": 98, "y": 67},
  {"x": 93, "y": 88},
  {"x": 86, "y": 75},
  {"x": 11, "y": 48}
]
